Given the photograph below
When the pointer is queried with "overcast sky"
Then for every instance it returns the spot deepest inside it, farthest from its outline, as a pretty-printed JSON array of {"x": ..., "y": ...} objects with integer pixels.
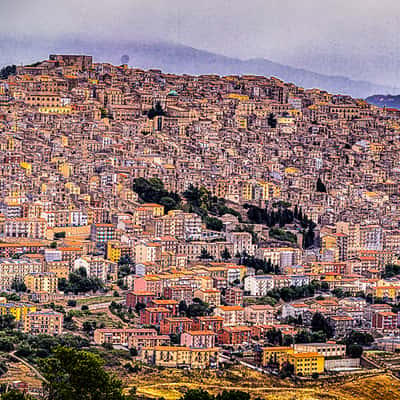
[{"x": 241, "y": 28}]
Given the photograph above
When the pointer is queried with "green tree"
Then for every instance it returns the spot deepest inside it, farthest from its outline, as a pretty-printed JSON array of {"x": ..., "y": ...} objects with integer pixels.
[
  {"x": 87, "y": 326},
  {"x": 197, "y": 309},
  {"x": 78, "y": 374},
  {"x": 391, "y": 270},
  {"x": 274, "y": 336},
  {"x": 133, "y": 351},
  {"x": 215, "y": 224},
  {"x": 338, "y": 292},
  {"x": 354, "y": 350},
  {"x": 287, "y": 370},
  {"x": 193, "y": 195},
  {"x": 363, "y": 339},
  {"x": 156, "y": 111},
  {"x": 197, "y": 394},
  {"x": 272, "y": 122},
  {"x": 182, "y": 307},
  {"x": 7, "y": 321},
  {"x": 205, "y": 255},
  {"x": 225, "y": 255},
  {"x": 287, "y": 340},
  {"x": 5, "y": 72},
  {"x": 168, "y": 203},
  {"x": 18, "y": 285},
  {"x": 308, "y": 239},
  {"x": 15, "y": 395},
  {"x": 153, "y": 191},
  {"x": 139, "y": 306},
  {"x": 59, "y": 235},
  {"x": 320, "y": 323},
  {"x": 320, "y": 186},
  {"x": 232, "y": 395},
  {"x": 78, "y": 282}
]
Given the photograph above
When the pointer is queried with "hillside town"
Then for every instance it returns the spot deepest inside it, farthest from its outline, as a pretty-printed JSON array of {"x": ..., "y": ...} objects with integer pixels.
[{"x": 197, "y": 221}]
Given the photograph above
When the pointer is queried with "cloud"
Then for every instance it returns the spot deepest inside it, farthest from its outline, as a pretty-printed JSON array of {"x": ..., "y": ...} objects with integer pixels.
[{"x": 245, "y": 28}]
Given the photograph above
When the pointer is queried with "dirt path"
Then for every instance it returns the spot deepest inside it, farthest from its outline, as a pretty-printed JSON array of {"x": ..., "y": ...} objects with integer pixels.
[{"x": 30, "y": 366}]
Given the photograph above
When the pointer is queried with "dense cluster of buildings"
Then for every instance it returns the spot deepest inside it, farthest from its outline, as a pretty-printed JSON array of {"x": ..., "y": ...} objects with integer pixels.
[{"x": 76, "y": 135}]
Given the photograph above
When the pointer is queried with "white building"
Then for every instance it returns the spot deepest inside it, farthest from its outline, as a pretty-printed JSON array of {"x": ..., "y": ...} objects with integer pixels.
[{"x": 258, "y": 285}]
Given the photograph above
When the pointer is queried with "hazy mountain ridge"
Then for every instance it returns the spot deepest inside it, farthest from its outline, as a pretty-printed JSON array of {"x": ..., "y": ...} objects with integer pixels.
[
  {"x": 380, "y": 66},
  {"x": 180, "y": 59},
  {"x": 381, "y": 100}
]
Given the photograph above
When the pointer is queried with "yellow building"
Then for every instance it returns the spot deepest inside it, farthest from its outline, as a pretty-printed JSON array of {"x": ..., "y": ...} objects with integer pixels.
[
  {"x": 55, "y": 110},
  {"x": 277, "y": 354},
  {"x": 328, "y": 241},
  {"x": 41, "y": 282},
  {"x": 269, "y": 190},
  {"x": 27, "y": 167},
  {"x": 307, "y": 363},
  {"x": 180, "y": 356},
  {"x": 389, "y": 291},
  {"x": 70, "y": 187},
  {"x": 209, "y": 296},
  {"x": 10, "y": 143},
  {"x": 237, "y": 96},
  {"x": 64, "y": 140},
  {"x": 65, "y": 170},
  {"x": 241, "y": 122},
  {"x": 286, "y": 121},
  {"x": 44, "y": 323},
  {"x": 116, "y": 250},
  {"x": 247, "y": 191},
  {"x": 291, "y": 171},
  {"x": 113, "y": 251},
  {"x": 18, "y": 310},
  {"x": 157, "y": 209},
  {"x": 59, "y": 268}
]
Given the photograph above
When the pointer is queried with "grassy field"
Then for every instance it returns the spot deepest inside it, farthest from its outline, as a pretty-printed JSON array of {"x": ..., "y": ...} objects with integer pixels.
[
  {"x": 170, "y": 384},
  {"x": 18, "y": 371},
  {"x": 101, "y": 318},
  {"x": 96, "y": 300}
]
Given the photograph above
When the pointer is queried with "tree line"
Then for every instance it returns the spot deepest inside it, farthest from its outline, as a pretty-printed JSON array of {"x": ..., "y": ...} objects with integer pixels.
[
  {"x": 283, "y": 216},
  {"x": 198, "y": 200}
]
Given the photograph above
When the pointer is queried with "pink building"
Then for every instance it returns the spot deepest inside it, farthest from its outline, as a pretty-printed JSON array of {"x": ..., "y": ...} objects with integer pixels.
[
  {"x": 198, "y": 339},
  {"x": 385, "y": 321}
]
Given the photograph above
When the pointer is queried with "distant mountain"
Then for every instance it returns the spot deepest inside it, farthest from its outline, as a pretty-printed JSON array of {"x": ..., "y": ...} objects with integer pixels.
[
  {"x": 381, "y": 67},
  {"x": 388, "y": 101},
  {"x": 180, "y": 59}
]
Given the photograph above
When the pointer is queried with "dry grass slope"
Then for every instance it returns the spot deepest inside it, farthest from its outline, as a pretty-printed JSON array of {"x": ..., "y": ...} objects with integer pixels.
[{"x": 170, "y": 384}]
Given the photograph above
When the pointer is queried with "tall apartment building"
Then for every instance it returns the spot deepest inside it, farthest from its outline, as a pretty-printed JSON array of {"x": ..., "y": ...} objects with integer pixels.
[
  {"x": 180, "y": 225},
  {"x": 120, "y": 336},
  {"x": 44, "y": 323},
  {"x": 180, "y": 356},
  {"x": 232, "y": 315},
  {"x": 15, "y": 270},
  {"x": 41, "y": 282},
  {"x": 148, "y": 252},
  {"x": 102, "y": 233},
  {"x": 18, "y": 310},
  {"x": 32, "y": 228},
  {"x": 97, "y": 267}
]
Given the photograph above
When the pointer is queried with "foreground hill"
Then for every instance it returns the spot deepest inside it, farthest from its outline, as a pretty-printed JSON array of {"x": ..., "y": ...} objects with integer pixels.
[
  {"x": 180, "y": 59},
  {"x": 171, "y": 384}
]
